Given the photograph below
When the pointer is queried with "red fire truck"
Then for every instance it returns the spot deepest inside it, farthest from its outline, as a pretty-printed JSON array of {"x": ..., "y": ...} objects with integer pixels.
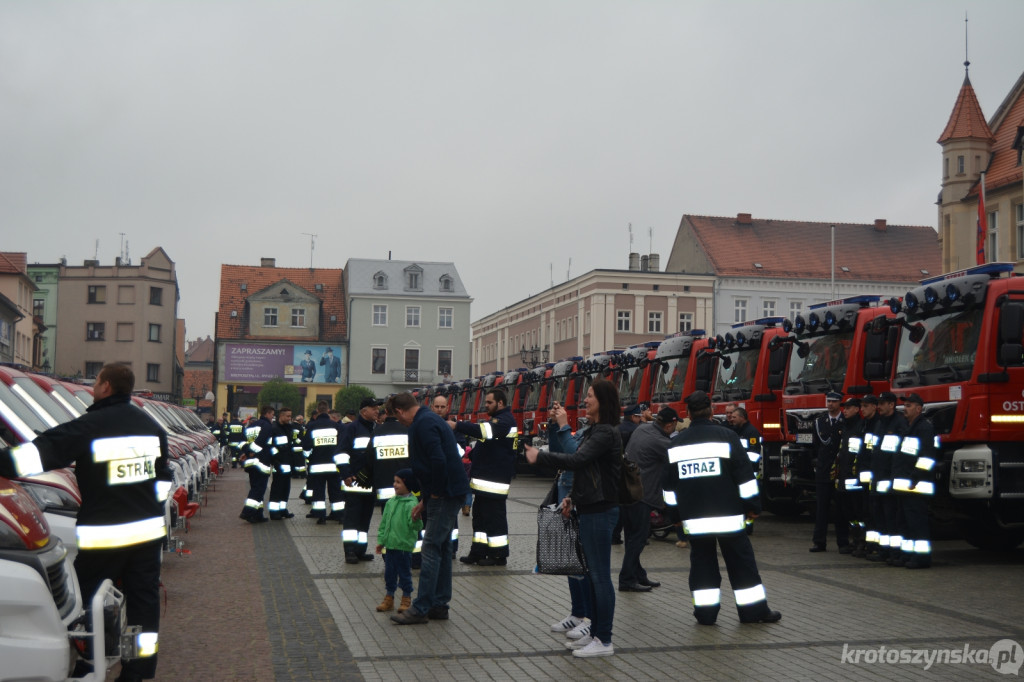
[
  {"x": 685, "y": 362},
  {"x": 637, "y": 373}
]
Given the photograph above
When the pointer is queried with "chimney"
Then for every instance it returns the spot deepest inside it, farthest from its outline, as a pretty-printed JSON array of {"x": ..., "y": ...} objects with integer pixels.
[
  {"x": 653, "y": 262},
  {"x": 744, "y": 219},
  {"x": 880, "y": 225},
  {"x": 634, "y": 261},
  {"x": 268, "y": 262},
  {"x": 92, "y": 263},
  {"x": 643, "y": 263}
]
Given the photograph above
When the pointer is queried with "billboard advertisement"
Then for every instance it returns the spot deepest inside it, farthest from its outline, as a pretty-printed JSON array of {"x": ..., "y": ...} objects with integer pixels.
[{"x": 301, "y": 364}]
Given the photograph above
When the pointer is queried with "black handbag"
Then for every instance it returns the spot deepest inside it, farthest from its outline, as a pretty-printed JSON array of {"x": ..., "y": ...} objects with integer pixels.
[
  {"x": 558, "y": 541},
  {"x": 631, "y": 487}
]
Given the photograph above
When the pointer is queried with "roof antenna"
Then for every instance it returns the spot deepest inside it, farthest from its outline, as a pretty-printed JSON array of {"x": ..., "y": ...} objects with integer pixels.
[
  {"x": 967, "y": 62},
  {"x": 551, "y": 270},
  {"x": 312, "y": 238}
]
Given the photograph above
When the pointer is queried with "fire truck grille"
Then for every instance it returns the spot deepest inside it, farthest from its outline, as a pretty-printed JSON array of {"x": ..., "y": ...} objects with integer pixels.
[
  {"x": 1011, "y": 473},
  {"x": 60, "y": 583}
]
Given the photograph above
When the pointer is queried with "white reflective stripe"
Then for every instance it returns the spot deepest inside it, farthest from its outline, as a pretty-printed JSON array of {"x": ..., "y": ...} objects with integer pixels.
[
  {"x": 709, "y": 597},
  {"x": 480, "y": 537},
  {"x": 922, "y": 547},
  {"x": 319, "y": 504},
  {"x": 418, "y": 546},
  {"x": 883, "y": 539},
  {"x": 341, "y": 458},
  {"x": 852, "y": 484},
  {"x": 890, "y": 442},
  {"x": 121, "y": 534},
  {"x": 750, "y": 595},
  {"x": 323, "y": 468},
  {"x": 748, "y": 489},
  {"x": 350, "y": 535},
  {"x": 907, "y": 545},
  {"x": 497, "y": 541},
  {"x": 27, "y": 460},
  {"x": 360, "y": 442},
  {"x": 922, "y": 487},
  {"x": 107, "y": 449},
  {"x": 681, "y": 453},
  {"x": 895, "y": 541},
  {"x": 853, "y": 444},
  {"x": 385, "y": 493},
  {"x": 273, "y": 506},
  {"x": 485, "y": 431},
  {"x": 455, "y": 533},
  {"x": 871, "y": 536},
  {"x": 391, "y": 440},
  {"x": 252, "y": 432},
  {"x": 364, "y": 537},
  {"x": 255, "y": 448},
  {"x": 754, "y": 456},
  {"x": 253, "y": 504},
  {"x": 163, "y": 490},
  {"x": 281, "y": 440},
  {"x": 337, "y": 506},
  {"x": 324, "y": 437},
  {"x": 263, "y": 467},
  {"x": 883, "y": 486},
  {"x": 489, "y": 486},
  {"x": 512, "y": 433},
  {"x": 937, "y": 443},
  {"x": 670, "y": 497},
  {"x": 286, "y": 468},
  {"x": 910, "y": 445},
  {"x": 146, "y": 642},
  {"x": 865, "y": 477},
  {"x": 926, "y": 463},
  {"x": 715, "y": 524},
  {"x": 356, "y": 489}
]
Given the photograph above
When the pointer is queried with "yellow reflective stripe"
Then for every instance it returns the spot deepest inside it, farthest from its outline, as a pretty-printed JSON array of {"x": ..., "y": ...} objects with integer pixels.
[
  {"x": 480, "y": 537},
  {"x": 890, "y": 442},
  {"x": 750, "y": 595},
  {"x": 910, "y": 445},
  {"x": 513, "y": 432},
  {"x": 485, "y": 431},
  {"x": 670, "y": 497},
  {"x": 255, "y": 448},
  {"x": 926, "y": 463},
  {"x": 709, "y": 597},
  {"x": 120, "y": 535},
  {"x": 323, "y": 468},
  {"x": 715, "y": 524},
  {"x": 263, "y": 467},
  {"x": 385, "y": 493},
  {"x": 681, "y": 453},
  {"x": 748, "y": 489},
  {"x": 497, "y": 541},
  {"x": 147, "y": 644},
  {"x": 489, "y": 486},
  {"x": 27, "y": 460}
]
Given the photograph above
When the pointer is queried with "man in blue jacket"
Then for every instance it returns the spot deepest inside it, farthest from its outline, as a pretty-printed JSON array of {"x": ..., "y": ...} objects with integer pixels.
[{"x": 443, "y": 487}]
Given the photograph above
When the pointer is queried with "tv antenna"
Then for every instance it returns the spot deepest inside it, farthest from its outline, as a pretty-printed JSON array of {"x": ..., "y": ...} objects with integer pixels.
[
  {"x": 630, "y": 228},
  {"x": 967, "y": 62},
  {"x": 312, "y": 242},
  {"x": 568, "y": 270}
]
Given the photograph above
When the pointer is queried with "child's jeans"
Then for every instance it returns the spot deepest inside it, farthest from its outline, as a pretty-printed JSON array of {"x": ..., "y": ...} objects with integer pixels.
[{"x": 398, "y": 571}]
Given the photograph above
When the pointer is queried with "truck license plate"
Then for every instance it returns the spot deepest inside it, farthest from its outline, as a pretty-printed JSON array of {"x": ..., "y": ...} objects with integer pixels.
[{"x": 804, "y": 438}]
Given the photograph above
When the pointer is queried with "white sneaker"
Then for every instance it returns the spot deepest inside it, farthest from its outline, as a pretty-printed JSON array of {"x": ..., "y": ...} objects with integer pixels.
[
  {"x": 595, "y": 648},
  {"x": 568, "y": 624},
  {"x": 581, "y": 630},
  {"x": 578, "y": 643}
]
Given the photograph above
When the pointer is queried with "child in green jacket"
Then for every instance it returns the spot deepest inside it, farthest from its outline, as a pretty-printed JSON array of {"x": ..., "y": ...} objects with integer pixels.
[{"x": 398, "y": 534}]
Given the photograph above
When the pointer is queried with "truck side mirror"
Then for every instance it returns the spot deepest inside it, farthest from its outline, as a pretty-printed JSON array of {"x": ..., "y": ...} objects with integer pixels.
[
  {"x": 916, "y": 333},
  {"x": 777, "y": 357},
  {"x": 1011, "y": 320}
]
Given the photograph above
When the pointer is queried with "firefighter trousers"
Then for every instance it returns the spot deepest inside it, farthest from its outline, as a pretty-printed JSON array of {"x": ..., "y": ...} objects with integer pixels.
[
  {"x": 257, "y": 491},
  {"x": 324, "y": 488},
  {"x": 135, "y": 571},
  {"x": 826, "y": 493},
  {"x": 358, "y": 512},
  {"x": 706, "y": 580},
  {"x": 916, "y": 532},
  {"x": 280, "y": 489},
  {"x": 490, "y": 526}
]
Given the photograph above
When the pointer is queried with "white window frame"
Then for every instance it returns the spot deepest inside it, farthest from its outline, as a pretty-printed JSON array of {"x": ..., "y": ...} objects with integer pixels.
[
  {"x": 654, "y": 320},
  {"x": 451, "y": 360},
  {"x": 795, "y": 308},
  {"x": 768, "y": 307},
  {"x": 379, "y": 314},
  {"x": 992, "y": 238},
  {"x": 412, "y": 315},
  {"x": 299, "y": 317},
  {"x": 685, "y": 322},
  {"x": 1019, "y": 208},
  {"x": 739, "y": 310},
  {"x": 269, "y": 313},
  {"x": 385, "y": 353},
  {"x": 624, "y": 321},
  {"x": 153, "y": 327},
  {"x": 444, "y": 312}
]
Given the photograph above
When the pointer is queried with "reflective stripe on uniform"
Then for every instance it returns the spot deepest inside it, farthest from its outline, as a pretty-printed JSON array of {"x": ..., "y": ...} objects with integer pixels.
[
  {"x": 480, "y": 537},
  {"x": 682, "y": 453},
  {"x": 871, "y": 536},
  {"x": 489, "y": 486},
  {"x": 357, "y": 489},
  {"x": 360, "y": 442},
  {"x": 755, "y": 457},
  {"x": 910, "y": 445},
  {"x": 337, "y": 506},
  {"x": 147, "y": 644},
  {"x": 922, "y": 487},
  {"x": 924, "y": 463},
  {"x": 890, "y": 442},
  {"x": 709, "y": 597},
  {"x": 852, "y": 484},
  {"x": 341, "y": 459},
  {"x": 883, "y": 486},
  {"x": 285, "y": 468},
  {"x": 895, "y": 541},
  {"x": 27, "y": 460},
  {"x": 121, "y": 534},
  {"x": 922, "y": 547},
  {"x": 485, "y": 431},
  {"x": 669, "y": 496},
  {"x": 350, "y": 535},
  {"x": 750, "y": 595},
  {"x": 319, "y": 505},
  {"x": 853, "y": 444},
  {"x": 497, "y": 541},
  {"x": 323, "y": 468},
  {"x": 748, "y": 489},
  {"x": 385, "y": 493},
  {"x": 163, "y": 490},
  {"x": 866, "y": 476},
  {"x": 715, "y": 524}
]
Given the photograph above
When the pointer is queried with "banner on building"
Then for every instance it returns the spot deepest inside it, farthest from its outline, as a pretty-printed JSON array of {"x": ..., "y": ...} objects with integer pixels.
[{"x": 305, "y": 364}]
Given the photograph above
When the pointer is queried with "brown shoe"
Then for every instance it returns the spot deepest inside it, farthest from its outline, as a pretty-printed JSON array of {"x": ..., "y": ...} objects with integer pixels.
[
  {"x": 466, "y": 509},
  {"x": 681, "y": 544},
  {"x": 405, "y": 603},
  {"x": 387, "y": 604}
]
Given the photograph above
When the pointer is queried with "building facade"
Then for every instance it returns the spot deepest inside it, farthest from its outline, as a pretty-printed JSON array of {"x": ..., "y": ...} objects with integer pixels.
[
  {"x": 972, "y": 148},
  {"x": 10, "y": 316},
  {"x": 777, "y": 268},
  {"x": 597, "y": 311},
  {"x": 46, "y": 279},
  {"x": 17, "y": 339},
  {"x": 278, "y": 323},
  {"x": 120, "y": 313},
  {"x": 408, "y": 323},
  {"x": 197, "y": 387}
]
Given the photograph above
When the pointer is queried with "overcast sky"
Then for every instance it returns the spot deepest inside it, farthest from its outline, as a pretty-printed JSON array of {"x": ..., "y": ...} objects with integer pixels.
[{"x": 503, "y": 136}]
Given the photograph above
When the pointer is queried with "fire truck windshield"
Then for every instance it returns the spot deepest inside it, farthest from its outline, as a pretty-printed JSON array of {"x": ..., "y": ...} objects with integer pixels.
[
  {"x": 736, "y": 382},
  {"x": 533, "y": 396},
  {"x": 670, "y": 378},
  {"x": 824, "y": 367},
  {"x": 629, "y": 384},
  {"x": 559, "y": 387},
  {"x": 945, "y": 353}
]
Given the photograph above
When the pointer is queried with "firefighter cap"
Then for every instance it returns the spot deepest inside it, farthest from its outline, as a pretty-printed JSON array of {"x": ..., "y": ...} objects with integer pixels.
[
  {"x": 869, "y": 400},
  {"x": 833, "y": 395},
  {"x": 698, "y": 400},
  {"x": 852, "y": 402},
  {"x": 912, "y": 398},
  {"x": 886, "y": 397},
  {"x": 632, "y": 410}
]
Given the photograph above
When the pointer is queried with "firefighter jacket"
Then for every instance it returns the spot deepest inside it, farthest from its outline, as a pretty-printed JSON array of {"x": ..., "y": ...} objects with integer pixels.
[
  {"x": 260, "y": 435},
  {"x": 322, "y": 441},
  {"x": 494, "y": 457},
  {"x": 390, "y": 454},
  {"x": 354, "y": 455},
  {"x": 120, "y": 457},
  {"x": 281, "y": 453},
  {"x": 849, "y": 452},
  {"x": 888, "y": 434},
  {"x": 596, "y": 465},
  {"x": 236, "y": 435},
  {"x": 863, "y": 461},
  {"x": 913, "y": 466},
  {"x": 293, "y": 450},
  {"x": 710, "y": 480},
  {"x": 827, "y": 435},
  {"x": 751, "y": 439}
]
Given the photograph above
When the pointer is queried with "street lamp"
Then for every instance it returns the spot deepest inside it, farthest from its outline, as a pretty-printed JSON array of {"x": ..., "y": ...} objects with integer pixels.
[{"x": 534, "y": 356}]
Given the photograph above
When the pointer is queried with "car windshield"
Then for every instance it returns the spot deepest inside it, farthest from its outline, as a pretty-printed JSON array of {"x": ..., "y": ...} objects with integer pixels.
[
  {"x": 670, "y": 377},
  {"x": 630, "y": 379},
  {"x": 22, "y": 422},
  {"x": 736, "y": 382},
  {"x": 73, "y": 403},
  {"x": 824, "y": 367},
  {"x": 945, "y": 351},
  {"x": 60, "y": 413},
  {"x": 532, "y": 396}
]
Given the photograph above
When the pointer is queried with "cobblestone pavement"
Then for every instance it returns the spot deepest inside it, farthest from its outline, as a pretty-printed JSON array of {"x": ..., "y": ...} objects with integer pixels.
[{"x": 277, "y": 602}]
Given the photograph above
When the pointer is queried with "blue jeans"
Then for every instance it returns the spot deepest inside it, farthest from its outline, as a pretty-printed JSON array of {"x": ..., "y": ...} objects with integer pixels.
[
  {"x": 435, "y": 588},
  {"x": 579, "y": 585},
  {"x": 398, "y": 571},
  {"x": 596, "y": 538}
]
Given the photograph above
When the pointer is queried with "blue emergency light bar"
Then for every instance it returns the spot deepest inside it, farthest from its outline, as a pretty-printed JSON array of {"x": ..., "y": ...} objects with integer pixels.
[
  {"x": 863, "y": 300},
  {"x": 991, "y": 269}
]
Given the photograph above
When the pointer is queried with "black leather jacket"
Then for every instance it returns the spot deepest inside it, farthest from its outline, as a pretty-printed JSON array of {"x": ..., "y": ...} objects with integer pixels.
[{"x": 597, "y": 465}]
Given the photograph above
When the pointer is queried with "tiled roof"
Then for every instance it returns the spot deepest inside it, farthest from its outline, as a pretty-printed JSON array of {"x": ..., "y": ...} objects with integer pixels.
[
  {"x": 14, "y": 262},
  {"x": 1003, "y": 169},
  {"x": 200, "y": 350},
  {"x": 966, "y": 121},
  {"x": 232, "y": 297},
  {"x": 801, "y": 250}
]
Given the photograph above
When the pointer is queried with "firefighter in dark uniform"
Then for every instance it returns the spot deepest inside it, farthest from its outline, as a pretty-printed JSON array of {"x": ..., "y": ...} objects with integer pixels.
[
  {"x": 236, "y": 441},
  {"x": 848, "y": 486},
  {"x": 281, "y": 461},
  {"x": 388, "y": 454},
  {"x": 913, "y": 483},
  {"x": 258, "y": 462},
  {"x": 827, "y": 437},
  {"x": 299, "y": 466},
  {"x": 323, "y": 436},
  {"x": 739, "y": 420},
  {"x": 120, "y": 457},
  {"x": 359, "y": 497},
  {"x": 866, "y": 474},
  {"x": 710, "y": 481},
  {"x": 889, "y": 431},
  {"x": 493, "y": 465}
]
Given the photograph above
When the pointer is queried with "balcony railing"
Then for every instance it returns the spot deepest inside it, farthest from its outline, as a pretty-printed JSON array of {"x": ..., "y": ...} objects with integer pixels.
[{"x": 412, "y": 376}]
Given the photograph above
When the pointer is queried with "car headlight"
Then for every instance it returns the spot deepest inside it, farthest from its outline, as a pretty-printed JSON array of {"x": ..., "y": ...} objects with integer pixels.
[
  {"x": 51, "y": 499},
  {"x": 9, "y": 539}
]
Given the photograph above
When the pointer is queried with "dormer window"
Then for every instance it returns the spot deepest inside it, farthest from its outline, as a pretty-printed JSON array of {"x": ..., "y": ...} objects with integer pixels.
[
  {"x": 447, "y": 284},
  {"x": 413, "y": 278},
  {"x": 380, "y": 281}
]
